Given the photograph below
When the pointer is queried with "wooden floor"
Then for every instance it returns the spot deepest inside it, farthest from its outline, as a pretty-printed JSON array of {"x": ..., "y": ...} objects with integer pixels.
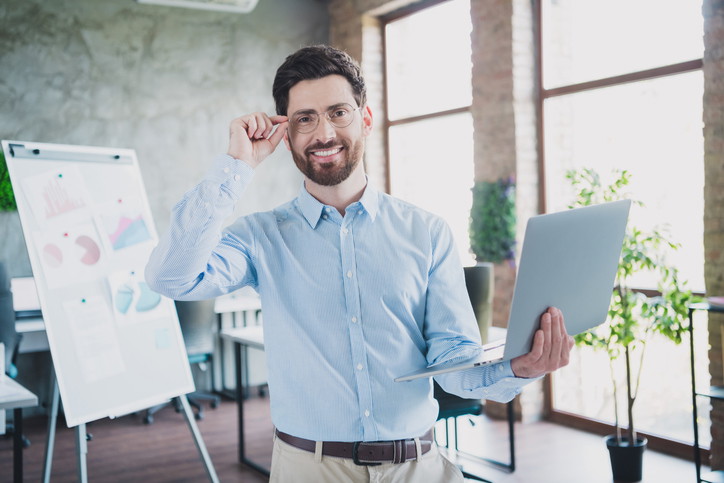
[{"x": 127, "y": 450}]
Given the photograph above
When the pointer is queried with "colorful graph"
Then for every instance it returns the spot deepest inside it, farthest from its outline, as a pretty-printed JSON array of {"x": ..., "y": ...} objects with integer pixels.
[
  {"x": 54, "y": 195},
  {"x": 89, "y": 253},
  {"x": 138, "y": 291},
  {"x": 91, "y": 250},
  {"x": 57, "y": 199},
  {"x": 128, "y": 231}
]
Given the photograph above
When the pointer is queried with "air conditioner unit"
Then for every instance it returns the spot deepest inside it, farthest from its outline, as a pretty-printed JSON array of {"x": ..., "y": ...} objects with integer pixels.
[{"x": 234, "y": 6}]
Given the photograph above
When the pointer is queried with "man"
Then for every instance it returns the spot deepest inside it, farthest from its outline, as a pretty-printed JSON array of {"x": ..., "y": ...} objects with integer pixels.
[{"x": 357, "y": 288}]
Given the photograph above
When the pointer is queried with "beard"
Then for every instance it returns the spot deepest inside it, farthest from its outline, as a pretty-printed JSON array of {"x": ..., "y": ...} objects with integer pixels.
[{"x": 333, "y": 173}]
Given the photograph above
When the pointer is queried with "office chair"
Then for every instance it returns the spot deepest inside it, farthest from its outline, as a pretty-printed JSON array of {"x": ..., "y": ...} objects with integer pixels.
[
  {"x": 197, "y": 320},
  {"x": 9, "y": 336}
]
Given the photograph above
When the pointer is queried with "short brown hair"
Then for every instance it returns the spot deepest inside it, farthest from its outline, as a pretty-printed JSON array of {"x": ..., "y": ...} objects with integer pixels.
[{"x": 315, "y": 62}]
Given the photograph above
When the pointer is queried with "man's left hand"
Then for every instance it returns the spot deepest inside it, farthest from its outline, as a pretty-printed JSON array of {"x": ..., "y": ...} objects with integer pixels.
[{"x": 551, "y": 347}]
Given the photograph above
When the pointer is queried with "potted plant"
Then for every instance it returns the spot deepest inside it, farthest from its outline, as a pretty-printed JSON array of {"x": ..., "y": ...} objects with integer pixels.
[
  {"x": 7, "y": 199},
  {"x": 633, "y": 316},
  {"x": 492, "y": 241}
]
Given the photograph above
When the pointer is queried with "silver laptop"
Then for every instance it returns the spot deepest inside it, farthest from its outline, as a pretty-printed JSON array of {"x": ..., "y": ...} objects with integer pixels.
[{"x": 569, "y": 261}]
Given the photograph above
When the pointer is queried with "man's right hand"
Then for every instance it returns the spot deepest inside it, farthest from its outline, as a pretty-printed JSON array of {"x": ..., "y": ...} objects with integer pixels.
[{"x": 251, "y": 138}]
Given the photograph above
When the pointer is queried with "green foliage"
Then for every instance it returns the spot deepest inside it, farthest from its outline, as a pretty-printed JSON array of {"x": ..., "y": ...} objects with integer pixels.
[
  {"x": 633, "y": 316},
  {"x": 492, "y": 221},
  {"x": 7, "y": 199}
]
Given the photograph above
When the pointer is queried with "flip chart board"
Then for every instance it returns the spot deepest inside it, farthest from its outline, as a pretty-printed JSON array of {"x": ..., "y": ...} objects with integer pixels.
[{"x": 116, "y": 345}]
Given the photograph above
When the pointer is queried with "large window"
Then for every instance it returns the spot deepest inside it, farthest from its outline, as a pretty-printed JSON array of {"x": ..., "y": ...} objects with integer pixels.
[
  {"x": 622, "y": 88},
  {"x": 430, "y": 128}
]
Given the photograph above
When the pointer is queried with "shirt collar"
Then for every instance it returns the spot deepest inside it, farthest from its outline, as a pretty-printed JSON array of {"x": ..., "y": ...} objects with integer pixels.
[{"x": 312, "y": 209}]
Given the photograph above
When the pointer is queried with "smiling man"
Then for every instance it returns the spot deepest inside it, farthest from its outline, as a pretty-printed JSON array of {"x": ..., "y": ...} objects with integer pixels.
[{"x": 357, "y": 288}]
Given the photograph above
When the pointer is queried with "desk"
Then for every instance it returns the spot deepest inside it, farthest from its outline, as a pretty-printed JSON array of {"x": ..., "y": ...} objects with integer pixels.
[
  {"x": 244, "y": 337},
  {"x": 34, "y": 337},
  {"x": 242, "y": 302},
  {"x": 28, "y": 318},
  {"x": 16, "y": 397}
]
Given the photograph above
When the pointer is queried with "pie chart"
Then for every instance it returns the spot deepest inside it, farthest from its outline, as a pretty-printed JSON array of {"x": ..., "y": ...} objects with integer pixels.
[
  {"x": 53, "y": 255},
  {"x": 91, "y": 251}
]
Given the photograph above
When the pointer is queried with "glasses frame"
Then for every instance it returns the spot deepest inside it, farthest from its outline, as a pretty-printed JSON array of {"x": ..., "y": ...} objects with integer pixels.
[{"x": 326, "y": 113}]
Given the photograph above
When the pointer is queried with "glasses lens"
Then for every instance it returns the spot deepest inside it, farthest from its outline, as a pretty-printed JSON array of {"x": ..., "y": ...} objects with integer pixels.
[
  {"x": 341, "y": 116},
  {"x": 306, "y": 122}
]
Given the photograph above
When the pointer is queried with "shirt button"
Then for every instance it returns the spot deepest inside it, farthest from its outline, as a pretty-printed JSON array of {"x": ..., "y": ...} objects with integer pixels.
[
  {"x": 349, "y": 274},
  {"x": 367, "y": 413},
  {"x": 345, "y": 231},
  {"x": 226, "y": 170},
  {"x": 325, "y": 216},
  {"x": 237, "y": 177},
  {"x": 360, "y": 367},
  {"x": 354, "y": 320}
]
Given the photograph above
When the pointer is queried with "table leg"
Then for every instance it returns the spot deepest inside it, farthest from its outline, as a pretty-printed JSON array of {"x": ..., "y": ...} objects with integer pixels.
[
  {"x": 240, "y": 408},
  {"x": 239, "y": 399},
  {"x": 18, "y": 445},
  {"x": 511, "y": 434}
]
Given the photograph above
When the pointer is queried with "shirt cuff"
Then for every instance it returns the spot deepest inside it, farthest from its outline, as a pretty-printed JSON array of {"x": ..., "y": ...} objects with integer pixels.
[
  {"x": 504, "y": 369},
  {"x": 232, "y": 174}
]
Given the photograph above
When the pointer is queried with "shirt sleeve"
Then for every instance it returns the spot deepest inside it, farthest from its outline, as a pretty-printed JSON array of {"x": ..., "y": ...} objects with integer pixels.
[
  {"x": 451, "y": 330},
  {"x": 193, "y": 260}
]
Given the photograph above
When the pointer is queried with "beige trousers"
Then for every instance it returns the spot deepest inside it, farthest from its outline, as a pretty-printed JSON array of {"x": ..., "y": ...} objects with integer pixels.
[{"x": 294, "y": 465}]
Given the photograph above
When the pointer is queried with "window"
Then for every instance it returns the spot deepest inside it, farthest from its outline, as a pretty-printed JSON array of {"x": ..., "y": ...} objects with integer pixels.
[
  {"x": 622, "y": 88},
  {"x": 430, "y": 128}
]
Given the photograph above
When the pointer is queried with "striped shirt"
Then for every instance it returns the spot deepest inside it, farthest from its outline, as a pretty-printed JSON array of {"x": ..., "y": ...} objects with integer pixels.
[{"x": 349, "y": 302}]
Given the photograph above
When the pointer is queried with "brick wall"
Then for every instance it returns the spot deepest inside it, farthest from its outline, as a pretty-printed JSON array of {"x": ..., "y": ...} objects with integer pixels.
[
  {"x": 714, "y": 202},
  {"x": 504, "y": 122}
]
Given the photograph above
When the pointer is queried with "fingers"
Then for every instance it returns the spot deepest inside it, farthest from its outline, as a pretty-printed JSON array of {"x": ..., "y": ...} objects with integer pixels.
[
  {"x": 258, "y": 125},
  {"x": 278, "y": 134},
  {"x": 253, "y": 136},
  {"x": 554, "y": 355},
  {"x": 550, "y": 350}
]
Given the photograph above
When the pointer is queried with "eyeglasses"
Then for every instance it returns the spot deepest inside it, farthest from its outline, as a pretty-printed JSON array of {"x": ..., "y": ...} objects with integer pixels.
[{"x": 306, "y": 121}]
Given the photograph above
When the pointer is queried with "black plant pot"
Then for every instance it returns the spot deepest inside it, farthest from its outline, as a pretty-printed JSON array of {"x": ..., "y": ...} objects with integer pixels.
[
  {"x": 626, "y": 460},
  {"x": 480, "y": 281}
]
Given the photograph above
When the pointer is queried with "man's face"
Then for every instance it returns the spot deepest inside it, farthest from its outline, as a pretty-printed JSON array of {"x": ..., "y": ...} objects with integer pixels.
[{"x": 328, "y": 154}]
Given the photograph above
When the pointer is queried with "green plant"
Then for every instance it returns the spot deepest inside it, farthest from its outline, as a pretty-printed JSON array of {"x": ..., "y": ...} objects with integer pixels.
[
  {"x": 633, "y": 316},
  {"x": 492, "y": 221},
  {"x": 7, "y": 199}
]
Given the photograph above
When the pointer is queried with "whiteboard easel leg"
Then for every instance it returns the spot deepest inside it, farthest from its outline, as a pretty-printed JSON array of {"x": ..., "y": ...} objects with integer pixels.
[
  {"x": 81, "y": 446},
  {"x": 52, "y": 421},
  {"x": 208, "y": 465}
]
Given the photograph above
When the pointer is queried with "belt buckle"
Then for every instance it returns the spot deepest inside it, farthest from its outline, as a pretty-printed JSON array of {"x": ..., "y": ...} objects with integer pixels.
[{"x": 355, "y": 456}]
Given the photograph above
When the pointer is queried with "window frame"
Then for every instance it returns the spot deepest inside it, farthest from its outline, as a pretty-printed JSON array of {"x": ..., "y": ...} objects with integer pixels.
[
  {"x": 388, "y": 124},
  {"x": 666, "y": 445}
]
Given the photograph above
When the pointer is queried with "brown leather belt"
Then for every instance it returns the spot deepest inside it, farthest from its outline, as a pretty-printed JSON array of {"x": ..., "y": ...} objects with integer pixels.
[{"x": 365, "y": 453}]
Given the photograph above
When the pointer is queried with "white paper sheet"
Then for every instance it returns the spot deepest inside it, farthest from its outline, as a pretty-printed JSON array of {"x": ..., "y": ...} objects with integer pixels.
[
  {"x": 70, "y": 255},
  {"x": 94, "y": 337}
]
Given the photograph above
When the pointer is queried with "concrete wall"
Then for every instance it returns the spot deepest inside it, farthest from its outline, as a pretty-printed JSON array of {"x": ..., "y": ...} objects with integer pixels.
[{"x": 163, "y": 81}]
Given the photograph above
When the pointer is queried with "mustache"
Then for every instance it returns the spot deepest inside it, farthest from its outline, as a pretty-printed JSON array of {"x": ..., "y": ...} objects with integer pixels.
[{"x": 327, "y": 145}]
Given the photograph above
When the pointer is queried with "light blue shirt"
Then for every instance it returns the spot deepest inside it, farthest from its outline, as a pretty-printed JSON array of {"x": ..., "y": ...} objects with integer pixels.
[{"x": 349, "y": 303}]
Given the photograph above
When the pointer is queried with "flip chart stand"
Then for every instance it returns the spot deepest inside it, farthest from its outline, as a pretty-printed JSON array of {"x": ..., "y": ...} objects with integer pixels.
[{"x": 81, "y": 439}]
